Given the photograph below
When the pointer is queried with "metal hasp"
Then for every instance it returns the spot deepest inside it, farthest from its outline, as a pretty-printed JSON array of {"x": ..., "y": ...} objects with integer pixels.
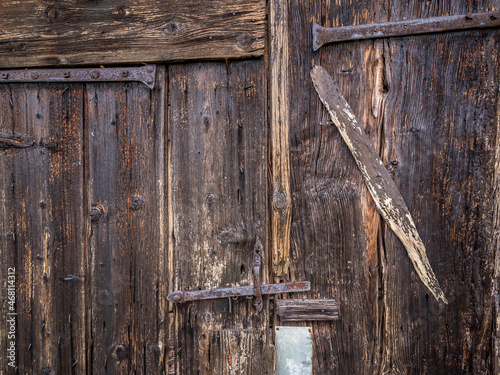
[
  {"x": 323, "y": 35},
  {"x": 255, "y": 290},
  {"x": 144, "y": 74}
]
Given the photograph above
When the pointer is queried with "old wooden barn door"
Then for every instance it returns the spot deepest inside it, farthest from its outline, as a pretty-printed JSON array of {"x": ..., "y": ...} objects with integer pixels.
[{"x": 146, "y": 146}]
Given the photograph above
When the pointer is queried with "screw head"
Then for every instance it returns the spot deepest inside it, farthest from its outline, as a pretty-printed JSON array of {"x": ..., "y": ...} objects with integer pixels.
[
  {"x": 95, "y": 74},
  {"x": 34, "y": 75},
  {"x": 149, "y": 80}
]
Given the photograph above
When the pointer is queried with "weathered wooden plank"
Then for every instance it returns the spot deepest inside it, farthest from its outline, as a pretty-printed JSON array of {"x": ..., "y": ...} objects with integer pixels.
[
  {"x": 496, "y": 248},
  {"x": 307, "y": 309},
  {"x": 440, "y": 128},
  {"x": 335, "y": 230},
  {"x": 388, "y": 199},
  {"x": 125, "y": 132},
  {"x": 234, "y": 352},
  {"x": 281, "y": 210},
  {"x": 323, "y": 227},
  {"x": 42, "y": 200},
  {"x": 219, "y": 184},
  {"x": 69, "y": 32}
]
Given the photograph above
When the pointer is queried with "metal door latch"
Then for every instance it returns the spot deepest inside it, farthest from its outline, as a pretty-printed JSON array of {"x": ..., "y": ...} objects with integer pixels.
[{"x": 255, "y": 290}]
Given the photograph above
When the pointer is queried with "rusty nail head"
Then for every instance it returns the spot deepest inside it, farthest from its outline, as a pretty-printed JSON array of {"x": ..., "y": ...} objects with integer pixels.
[
  {"x": 95, "y": 74},
  {"x": 34, "y": 75}
]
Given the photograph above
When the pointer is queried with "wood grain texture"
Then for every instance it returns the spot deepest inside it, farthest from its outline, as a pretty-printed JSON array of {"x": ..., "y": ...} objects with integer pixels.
[
  {"x": 445, "y": 152},
  {"x": 42, "y": 218},
  {"x": 307, "y": 309},
  {"x": 239, "y": 352},
  {"x": 334, "y": 222},
  {"x": 388, "y": 199},
  {"x": 218, "y": 134},
  {"x": 69, "y": 32},
  {"x": 281, "y": 209},
  {"x": 496, "y": 248},
  {"x": 125, "y": 135}
]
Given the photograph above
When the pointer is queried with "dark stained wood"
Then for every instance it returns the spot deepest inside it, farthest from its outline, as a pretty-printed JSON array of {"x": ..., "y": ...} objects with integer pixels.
[
  {"x": 241, "y": 352},
  {"x": 307, "y": 309},
  {"x": 42, "y": 220},
  {"x": 125, "y": 135},
  {"x": 445, "y": 152},
  {"x": 387, "y": 198},
  {"x": 36, "y": 33},
  {"x": 496, "y": 250},
  {"x": 388, "y": 324},
  {"x": 218, "y": 135}
]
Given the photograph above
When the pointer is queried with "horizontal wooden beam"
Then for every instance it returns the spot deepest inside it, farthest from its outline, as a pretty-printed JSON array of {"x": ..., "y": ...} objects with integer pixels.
[
  {"x": 307, "y": 309},
  {"x": 70, "y": 32}
]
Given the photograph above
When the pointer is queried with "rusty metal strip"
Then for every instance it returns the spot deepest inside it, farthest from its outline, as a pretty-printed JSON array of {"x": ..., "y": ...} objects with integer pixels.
[
  {"x": 240, "y": 291},
  {"x": 323, "y": 35},
  {"x": 144, "y": 74}
]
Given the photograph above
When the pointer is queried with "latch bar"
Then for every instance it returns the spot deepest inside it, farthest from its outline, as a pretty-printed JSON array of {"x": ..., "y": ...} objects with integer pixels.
[
  {"x": 239, "y": 291},
  {"x": 323, "y": 35},
  {"x": 144, "y": 74}
]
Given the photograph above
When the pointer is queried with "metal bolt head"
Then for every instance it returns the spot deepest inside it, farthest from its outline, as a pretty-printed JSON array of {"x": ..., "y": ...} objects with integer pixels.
[
  {"x": 149, "y": 80},
  {"x": 34, "y": 75},
  {"x": 66, "y": 74},
  {"x": 125, "y": 73},
  {"x": 95, "y": 74}
]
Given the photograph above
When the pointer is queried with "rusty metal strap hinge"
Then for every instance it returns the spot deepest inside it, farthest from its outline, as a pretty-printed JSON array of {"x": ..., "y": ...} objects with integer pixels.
[
  {"x": 323, "y": 35},
  {"x": 144, "y": 74},
  {"x": 255, "y": 290}
]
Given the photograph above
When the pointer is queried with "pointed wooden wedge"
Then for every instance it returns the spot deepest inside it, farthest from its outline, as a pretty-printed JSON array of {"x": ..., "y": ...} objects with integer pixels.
[{"x": 383, "y": 190}]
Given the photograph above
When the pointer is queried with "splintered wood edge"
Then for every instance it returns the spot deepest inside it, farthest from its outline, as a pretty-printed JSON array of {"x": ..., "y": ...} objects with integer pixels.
[{"x": 387, "y": 198}]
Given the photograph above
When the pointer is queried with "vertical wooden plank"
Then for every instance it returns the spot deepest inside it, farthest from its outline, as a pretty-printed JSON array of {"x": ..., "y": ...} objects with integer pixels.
[
  {"x": 281, "y": 210},
  {"x": 441, "y": 129},
  {"x": 335, "y": 229},
  {"x": 43, "y": 192},
  {"x": 334, "y": 222},
  {"x": 125, "y": 130},
  {"x": 496, "y": 247},
  {"x": 219, "y": 193},
  {"x": 234, "y": 352}
]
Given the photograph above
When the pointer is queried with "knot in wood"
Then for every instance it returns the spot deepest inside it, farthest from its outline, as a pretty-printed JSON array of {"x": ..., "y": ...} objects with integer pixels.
[
  {"x": 96, "y": 213},
  {"x": 119, "y": 352},
  {"x": 136, "y": 203},
  {"x": 244, "y": 41},
  {"x": 171, "y": 28},
  {"x": 279, "y": 201}
]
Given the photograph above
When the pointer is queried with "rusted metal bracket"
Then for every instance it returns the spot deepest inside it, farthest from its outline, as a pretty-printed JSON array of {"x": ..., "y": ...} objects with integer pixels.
[
  {"x": 255, "y": 290},
  {"x": 257, "y": 255},
  {"x": 323, "y": 35},
  {"x": 238, "y": 291},
  {"x": 144, "y": 74}
]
